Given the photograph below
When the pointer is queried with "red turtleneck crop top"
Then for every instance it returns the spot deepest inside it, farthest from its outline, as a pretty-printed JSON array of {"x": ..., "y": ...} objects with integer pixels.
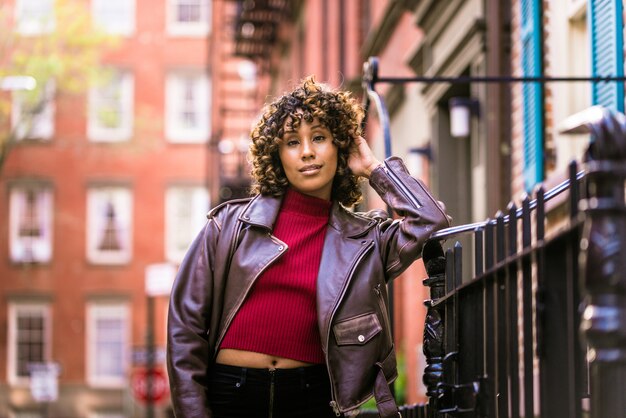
[{"x": 279, "y": 316}]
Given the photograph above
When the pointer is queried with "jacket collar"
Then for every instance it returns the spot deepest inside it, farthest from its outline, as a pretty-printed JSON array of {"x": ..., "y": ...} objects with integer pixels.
[{"x": 263, "y": 210}]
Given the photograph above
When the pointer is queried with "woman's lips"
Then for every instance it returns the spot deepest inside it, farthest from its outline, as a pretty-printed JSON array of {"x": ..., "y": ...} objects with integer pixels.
[{"x": 310, "y": 169}]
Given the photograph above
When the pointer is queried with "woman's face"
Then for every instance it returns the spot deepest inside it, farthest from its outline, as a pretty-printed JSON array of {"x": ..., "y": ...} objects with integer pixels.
[{"x": 309, "y": 158}]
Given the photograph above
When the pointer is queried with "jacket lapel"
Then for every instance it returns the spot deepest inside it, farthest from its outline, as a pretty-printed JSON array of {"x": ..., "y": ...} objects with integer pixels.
[
  {"x": 262, "y": 211},
  {"x": 256, "y": 249}
]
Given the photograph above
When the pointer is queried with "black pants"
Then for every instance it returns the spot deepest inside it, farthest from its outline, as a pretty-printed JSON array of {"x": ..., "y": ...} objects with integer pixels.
[{"x": 240, "y": 392}]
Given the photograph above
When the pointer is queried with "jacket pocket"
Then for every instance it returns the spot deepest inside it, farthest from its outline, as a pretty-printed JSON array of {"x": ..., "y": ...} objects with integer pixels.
[{"x": 357, "y": 330}]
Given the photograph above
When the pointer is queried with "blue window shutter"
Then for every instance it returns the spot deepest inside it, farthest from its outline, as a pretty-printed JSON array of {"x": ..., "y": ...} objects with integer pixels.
[
  {"x": 605, "y": 21},
  {"x": 533, "y": 103}
]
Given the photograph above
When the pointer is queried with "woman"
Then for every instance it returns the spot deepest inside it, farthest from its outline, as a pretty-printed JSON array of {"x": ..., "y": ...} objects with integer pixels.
[{"x": 279, "y": 308}]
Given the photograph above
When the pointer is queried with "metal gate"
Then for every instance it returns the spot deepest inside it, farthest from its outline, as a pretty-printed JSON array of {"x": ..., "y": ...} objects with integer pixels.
[{"x": 540, "y": 328}]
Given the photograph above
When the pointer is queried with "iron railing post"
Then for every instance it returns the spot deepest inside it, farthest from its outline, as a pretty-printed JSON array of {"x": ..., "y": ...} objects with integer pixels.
[
  {"x": 603, "y": 261},
  {"x": 435, "y": 264}
]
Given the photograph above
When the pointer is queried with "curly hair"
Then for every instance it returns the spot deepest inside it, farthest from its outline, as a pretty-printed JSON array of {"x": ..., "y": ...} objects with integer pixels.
[{"x": 337, "y": 110}]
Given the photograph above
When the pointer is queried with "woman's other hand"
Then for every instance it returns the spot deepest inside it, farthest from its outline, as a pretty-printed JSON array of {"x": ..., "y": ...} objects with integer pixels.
[{"x": 362, "y": 160}]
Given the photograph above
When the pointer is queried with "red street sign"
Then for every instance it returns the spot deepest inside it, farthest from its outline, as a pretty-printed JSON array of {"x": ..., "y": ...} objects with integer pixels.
[{"x": 139, "y": 385}]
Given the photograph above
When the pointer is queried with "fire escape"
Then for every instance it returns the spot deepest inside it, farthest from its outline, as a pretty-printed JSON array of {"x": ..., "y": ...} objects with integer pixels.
[{"x": 248, "y": 34}]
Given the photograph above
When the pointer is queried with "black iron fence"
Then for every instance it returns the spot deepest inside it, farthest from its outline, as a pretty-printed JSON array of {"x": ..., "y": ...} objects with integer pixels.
[{"x": 539, "y": 329}]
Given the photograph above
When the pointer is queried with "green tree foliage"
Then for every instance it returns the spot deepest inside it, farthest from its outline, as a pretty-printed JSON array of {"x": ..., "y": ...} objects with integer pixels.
[{"x": 67, "y": 55}]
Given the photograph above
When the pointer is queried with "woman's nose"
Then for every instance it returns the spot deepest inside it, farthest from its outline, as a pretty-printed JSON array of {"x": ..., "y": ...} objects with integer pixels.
[{"x": 307, "y": 149}]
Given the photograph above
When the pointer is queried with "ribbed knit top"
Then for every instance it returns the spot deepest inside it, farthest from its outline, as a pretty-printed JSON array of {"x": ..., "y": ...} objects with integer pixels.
[{"x": 279, "y": 316}]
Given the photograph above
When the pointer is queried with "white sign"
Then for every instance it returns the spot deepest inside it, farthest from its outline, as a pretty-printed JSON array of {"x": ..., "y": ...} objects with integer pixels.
[
  {"x": 139, "y": 355},
  {"x": 17, "y": 82},
  {"x": 44, "y": 381},
  {"x": 159, "y": 279}
]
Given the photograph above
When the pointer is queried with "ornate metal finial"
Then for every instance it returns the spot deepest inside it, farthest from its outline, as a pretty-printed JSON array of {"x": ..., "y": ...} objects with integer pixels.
[
  {"x": 607, "y": 129},
  {"x": 603, "y": 259},
  {"x": 370, "y": 73}
]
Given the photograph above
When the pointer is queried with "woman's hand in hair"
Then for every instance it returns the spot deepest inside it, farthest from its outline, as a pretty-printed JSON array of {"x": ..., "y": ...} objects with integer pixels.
[{"x": 362, "y": 160}]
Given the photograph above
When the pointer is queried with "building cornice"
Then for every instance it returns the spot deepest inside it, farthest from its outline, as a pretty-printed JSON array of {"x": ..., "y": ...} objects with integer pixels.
[
  {"x": 378, "y": 37},
  {"x": 420, "y": 61},
  {"x": 466, "y": 51}
]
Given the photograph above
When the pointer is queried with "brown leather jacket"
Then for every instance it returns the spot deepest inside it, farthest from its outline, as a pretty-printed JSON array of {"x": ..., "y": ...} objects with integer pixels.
[{"x": 361, "y": 253}]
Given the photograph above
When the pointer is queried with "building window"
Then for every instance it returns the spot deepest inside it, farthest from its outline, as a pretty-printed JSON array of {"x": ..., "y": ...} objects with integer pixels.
[
  {"x": 114, "y": 16},
  {"x": 30, "y": 223},
  {"x": 32, "y": 117},
  {"x": 34, "y": 17},
  {"x": 29, "y": 339},
  {"x": 108, "y": 345},
  {"x": 109, "y": 225},
  {"x": 533, "y": 93},
  {"x": 111, "y": 109},
  {"x": 185, "y": 214},
  {"x": 188, "y": 17},
  {"x": 187, "y": 107},
  {"x": 607, "y": 51}
]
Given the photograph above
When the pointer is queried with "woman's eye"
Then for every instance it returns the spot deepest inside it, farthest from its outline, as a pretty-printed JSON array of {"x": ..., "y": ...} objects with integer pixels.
[
  {"x": 292, "y": 142},
  {"x": 319, "y": 138}
]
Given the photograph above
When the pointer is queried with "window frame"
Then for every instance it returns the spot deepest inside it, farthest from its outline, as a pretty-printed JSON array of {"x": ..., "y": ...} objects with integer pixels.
[
  {"x": 25, "y": 25},
  {"x": 176, "y": 28},
  {"x": 14, "y": 310},
  {"x": 196, "y": 219},
  {"x": 91, "y": 314},
  {"x": 110, "y": 27},
  {"x": 42, "y": 246},
  {"x": 96, "y": 132},
  {"x": 124, "y": 196},
  {"x": 174, "y": 92},
  {"x": 43, "y": 121}
]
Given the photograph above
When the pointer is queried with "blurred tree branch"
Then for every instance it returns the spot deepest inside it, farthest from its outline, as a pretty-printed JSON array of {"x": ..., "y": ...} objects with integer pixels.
[{"x": 68, "y": 55}]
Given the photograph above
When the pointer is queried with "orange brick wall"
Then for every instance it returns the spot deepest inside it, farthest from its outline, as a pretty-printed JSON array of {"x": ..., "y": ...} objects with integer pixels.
[{"x": 148, "y": 164}]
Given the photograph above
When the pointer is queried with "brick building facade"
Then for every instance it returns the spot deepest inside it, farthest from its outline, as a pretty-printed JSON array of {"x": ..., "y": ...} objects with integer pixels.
[
  {"x": 107, "y": 184},
  {"x": 116, "y": 180}
]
